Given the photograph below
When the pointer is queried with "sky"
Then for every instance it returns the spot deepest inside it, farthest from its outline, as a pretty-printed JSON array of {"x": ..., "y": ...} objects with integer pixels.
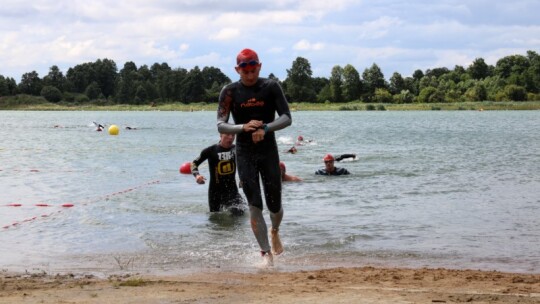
[{"x": 397, "y": 35}]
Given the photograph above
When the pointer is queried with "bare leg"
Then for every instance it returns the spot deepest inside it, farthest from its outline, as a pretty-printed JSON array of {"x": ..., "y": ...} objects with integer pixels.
[{"x": 277, "y": 247}]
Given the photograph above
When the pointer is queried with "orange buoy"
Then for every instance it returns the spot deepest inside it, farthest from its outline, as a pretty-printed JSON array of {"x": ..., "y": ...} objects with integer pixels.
[{"x": 185, "y": 168}]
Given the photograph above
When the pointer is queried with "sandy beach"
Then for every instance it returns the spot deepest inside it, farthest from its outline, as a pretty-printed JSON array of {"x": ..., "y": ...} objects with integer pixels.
[{"x": 337, "y": 285}]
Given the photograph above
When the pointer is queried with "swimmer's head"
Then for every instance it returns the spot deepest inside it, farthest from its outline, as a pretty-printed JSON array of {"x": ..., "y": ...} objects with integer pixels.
[
  {"x": 300, "y": 138},
  {"x": 328, "y": 157},
  {"x": 282, "y": 166}
]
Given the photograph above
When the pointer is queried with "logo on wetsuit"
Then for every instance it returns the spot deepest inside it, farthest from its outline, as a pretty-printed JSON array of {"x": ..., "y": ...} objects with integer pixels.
[
  {"x": 225, "y": 165},
  {"x": 252, "y": 102}
]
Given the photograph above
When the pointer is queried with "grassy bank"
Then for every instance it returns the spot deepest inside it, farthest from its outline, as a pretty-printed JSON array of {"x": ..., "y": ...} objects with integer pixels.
[{"x": 353, "y": 106}]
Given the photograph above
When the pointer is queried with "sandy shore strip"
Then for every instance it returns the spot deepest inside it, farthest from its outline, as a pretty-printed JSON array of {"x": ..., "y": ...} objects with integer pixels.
[{"x": 336, "y": 285}]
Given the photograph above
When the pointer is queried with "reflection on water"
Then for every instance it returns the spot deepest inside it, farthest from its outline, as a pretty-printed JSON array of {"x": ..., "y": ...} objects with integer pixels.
[{"x": 436, "y": 189}]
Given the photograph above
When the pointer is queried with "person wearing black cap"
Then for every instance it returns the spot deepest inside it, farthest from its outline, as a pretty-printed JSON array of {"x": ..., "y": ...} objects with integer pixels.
[
  {"x": 329, "y": 168},
  {"x": 253, "y": 102}
]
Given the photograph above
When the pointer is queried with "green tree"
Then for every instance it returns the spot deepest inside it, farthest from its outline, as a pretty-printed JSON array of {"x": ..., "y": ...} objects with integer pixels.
[
  {"x": 193, "y": 86},
  {"x": 141, "y": 96},
  {"x": 382, "y": 96},
  {"x": 80, "y": 76},
  {"x": 430, "y": 95},
  {"x": 352, "y": 85},
  {"x": 106, "y": 73},
  {"x": 161, "y": 73},
  {"x": 126, "y": 83},
  {"x": 397, "y": 83},
  {"x": 373, "y": 79},
  {"x": 476, "y": 93},
  {"x": 151, "y": 91},
  {"x": 437, "y": 72},
  {"x": 515, "y": 93},
  {"x": 532, "y": 76},
  {"x": 336, "y": 84},
  {"x": 55, "y": 78},
  {"x": 211, "y": 75},
  {"x": 4, "y": 90},
  {"x": 175, "y": 84},
  {"x": 478, "y": 69},
  {"x": 93, "y": 91},
  {"x": 31, "y": 84},
  {"x": 403, "y": 97},
  {"x": 509, "y": 65},
  {"x": 299, "y": 85},
  {"x": 51, "y": 94},
  {"x": 325, "y": 94},
  {"x": 144, "y": 73},
  {"x": 319, "y": 83},
  {"x": 428, "y": 81}
]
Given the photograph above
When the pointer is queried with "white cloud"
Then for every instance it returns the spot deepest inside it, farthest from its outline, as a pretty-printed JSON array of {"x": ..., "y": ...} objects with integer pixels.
[
  {"x": 183, "y": 47},
  {"x": 305, "y": 45},
  {"x": 226, "y": 34},
  {"x": 378, "y": 28}
]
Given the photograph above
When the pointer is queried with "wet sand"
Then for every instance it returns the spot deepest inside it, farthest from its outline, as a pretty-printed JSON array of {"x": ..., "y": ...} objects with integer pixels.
[{"x": 336, "y": 285}]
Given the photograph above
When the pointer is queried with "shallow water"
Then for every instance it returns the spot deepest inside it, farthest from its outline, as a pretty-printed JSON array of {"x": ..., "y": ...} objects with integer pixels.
[{"x": 434, "y": 189}]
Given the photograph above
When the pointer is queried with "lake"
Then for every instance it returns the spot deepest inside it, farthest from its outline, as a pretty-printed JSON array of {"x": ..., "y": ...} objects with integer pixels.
[{"x": 454, "y": 189}]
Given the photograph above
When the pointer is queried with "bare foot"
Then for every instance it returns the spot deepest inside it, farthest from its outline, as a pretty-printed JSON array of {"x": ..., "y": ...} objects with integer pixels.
[
  {"x": 268, "y": 259},
  {"x": 277, "y": 247}
]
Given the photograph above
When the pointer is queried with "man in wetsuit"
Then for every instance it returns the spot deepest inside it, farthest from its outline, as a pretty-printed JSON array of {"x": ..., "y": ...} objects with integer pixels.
[
  {"x": 253, "y": 103},
  {"x": 222, "y": 191},
  {"x": 330, "y": 169}
]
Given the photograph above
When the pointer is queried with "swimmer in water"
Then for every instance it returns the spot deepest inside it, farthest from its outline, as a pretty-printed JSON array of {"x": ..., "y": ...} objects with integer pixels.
[
  {"x": 329, "y": 168},
  {"x": 287, "y": 177}
]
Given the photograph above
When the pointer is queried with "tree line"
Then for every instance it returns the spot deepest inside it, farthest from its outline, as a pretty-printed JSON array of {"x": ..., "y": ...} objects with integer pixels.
[{"x": 513, "y": 78}]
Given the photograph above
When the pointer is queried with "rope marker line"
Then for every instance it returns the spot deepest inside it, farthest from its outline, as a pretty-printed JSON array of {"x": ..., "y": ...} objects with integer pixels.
[{"x": 69, "y": 205}]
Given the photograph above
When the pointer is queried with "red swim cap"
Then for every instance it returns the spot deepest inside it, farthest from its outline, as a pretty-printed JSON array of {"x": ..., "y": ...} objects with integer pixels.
[
  {"x": 246, "y": 55},
  {"x": 282, "y": 166},
  {"x": 300, "y": 138},
  {"x": 328, "y": 157}
]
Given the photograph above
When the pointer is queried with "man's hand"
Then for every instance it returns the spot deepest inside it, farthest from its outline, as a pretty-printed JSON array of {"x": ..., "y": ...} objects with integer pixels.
[
  {"x": 253, "y": 125},
  {"x": 200, "y": 179},
  {"x": 258, "y": 135}
]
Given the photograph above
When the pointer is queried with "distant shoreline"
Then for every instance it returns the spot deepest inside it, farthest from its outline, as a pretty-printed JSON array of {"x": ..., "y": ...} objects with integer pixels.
[{"x": 351, "y": 106}]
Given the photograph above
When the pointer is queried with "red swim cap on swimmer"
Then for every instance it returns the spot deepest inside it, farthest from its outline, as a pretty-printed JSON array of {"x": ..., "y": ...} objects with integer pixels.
[
  {"x": 300, "y": 138},
  {"x": 247, "y": 59},
  {"x": 282, "y": 166},
  {"x": 328, "y": 157}
]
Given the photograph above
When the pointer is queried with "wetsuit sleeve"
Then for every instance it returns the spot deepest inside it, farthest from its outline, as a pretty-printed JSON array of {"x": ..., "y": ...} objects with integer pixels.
[
  {"x": 224, "y": 112},
  {"x": 343, "y": 156},
  {"x": 199, "y": 160},
  {"x": 344, "y": 171},
  {"x": 281, "y": 122},
  {"x": 282, "y": 107}
]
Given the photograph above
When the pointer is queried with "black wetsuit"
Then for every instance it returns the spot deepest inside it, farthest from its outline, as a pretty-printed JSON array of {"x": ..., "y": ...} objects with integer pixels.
[
  {"x": 337, "y": 171},
  {"x": 222, "y": 191},
  {"x": 258, "y": 102}
]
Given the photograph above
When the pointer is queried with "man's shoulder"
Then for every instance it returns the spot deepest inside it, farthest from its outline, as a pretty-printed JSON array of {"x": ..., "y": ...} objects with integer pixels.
[
  {"x": 231, "y": 86},
  {"x": 342, "y": 171},
  {"x": 267, "y": 82},
  {"x": 321, "y": 172}
]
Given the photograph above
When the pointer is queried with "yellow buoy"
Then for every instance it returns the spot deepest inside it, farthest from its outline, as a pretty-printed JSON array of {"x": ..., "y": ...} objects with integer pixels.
[{"x": 113, "y": 130}]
